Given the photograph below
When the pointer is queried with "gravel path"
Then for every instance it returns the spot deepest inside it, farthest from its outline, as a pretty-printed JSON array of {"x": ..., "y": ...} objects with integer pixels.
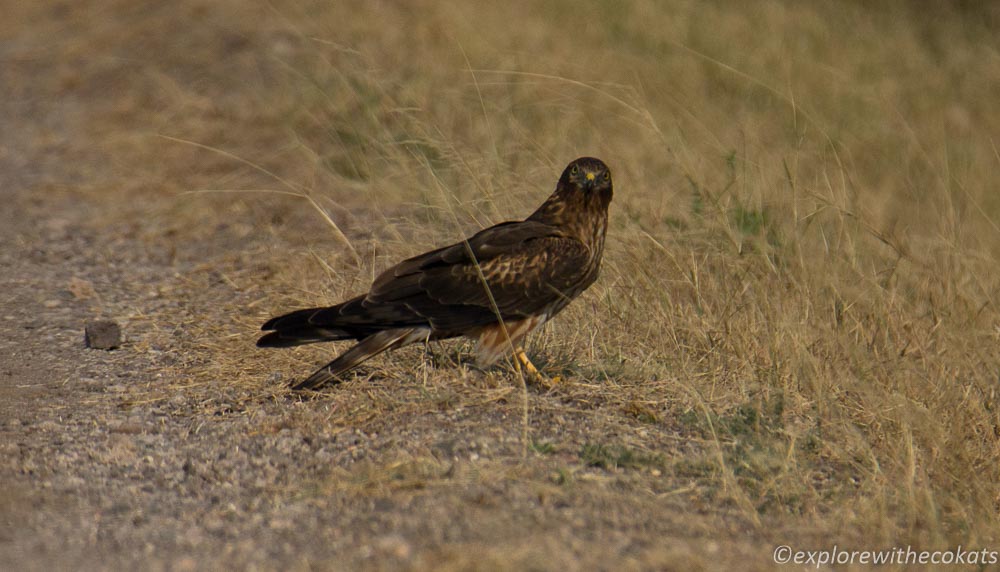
[{"x": 146, "y": 457}]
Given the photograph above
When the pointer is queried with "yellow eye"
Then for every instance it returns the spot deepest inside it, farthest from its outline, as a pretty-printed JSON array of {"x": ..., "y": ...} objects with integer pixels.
[
  {"x": 607, "y": 175},
  {"x": 574, "y": 170}
]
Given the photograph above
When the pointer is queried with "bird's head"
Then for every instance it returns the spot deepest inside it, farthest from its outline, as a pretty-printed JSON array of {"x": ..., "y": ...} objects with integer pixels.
[
  {"x": 583, "y": 193},
  {"x": 588, "y": 175}
]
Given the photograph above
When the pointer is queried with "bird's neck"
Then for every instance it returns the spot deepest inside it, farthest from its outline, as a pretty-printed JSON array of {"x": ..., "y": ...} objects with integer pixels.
[{"x": 575, "y": 212}]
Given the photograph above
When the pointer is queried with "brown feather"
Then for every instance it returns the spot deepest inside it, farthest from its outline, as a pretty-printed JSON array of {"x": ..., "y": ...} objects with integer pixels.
[
  {"x": 525, "y": 272},
  {"x": 360, "y": 353}
]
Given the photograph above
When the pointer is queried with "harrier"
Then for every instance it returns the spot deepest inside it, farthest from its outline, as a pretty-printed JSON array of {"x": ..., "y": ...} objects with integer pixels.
[{"x": 494, "y": 287}]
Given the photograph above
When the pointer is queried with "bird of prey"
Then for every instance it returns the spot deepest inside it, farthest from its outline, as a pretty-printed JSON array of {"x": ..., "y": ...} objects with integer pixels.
[{"x": 494, "y": 287}]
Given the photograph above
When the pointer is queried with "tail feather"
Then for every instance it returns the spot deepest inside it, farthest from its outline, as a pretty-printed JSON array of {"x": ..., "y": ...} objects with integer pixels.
[
  {"x": 361, "y": 352},
  {"x": 297, "y": 328},
  {"x": 298, "y": 336},
  {"x": 291, "y": 319},
  {"x": 349, "y": 320}
]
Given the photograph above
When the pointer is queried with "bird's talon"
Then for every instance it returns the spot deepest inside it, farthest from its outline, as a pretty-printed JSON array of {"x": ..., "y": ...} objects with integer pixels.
[{"x": 531, "y": 372}]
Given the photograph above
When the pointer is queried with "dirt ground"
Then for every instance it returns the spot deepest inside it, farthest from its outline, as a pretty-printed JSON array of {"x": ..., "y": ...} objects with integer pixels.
[
  {"x": 728, "y": 388},
  {"x": 107, "y": 472},
  {"x": 128, "y": 459}
]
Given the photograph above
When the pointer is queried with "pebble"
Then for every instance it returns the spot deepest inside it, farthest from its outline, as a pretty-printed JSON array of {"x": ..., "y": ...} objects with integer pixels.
[
  {"x": 103, "y": 335},
  {"x": 394, "y": 545}
]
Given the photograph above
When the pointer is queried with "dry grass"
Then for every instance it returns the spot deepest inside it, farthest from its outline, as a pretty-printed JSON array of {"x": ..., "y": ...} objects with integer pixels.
[{"x": 801, "y": 270}]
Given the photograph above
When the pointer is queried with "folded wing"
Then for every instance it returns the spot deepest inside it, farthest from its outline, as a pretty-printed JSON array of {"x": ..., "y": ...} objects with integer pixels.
[{"x": 528, "y": 267}]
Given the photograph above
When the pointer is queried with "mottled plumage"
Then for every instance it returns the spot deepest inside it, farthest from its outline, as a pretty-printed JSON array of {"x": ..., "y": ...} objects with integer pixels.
[{"x": 532, "y": 270}]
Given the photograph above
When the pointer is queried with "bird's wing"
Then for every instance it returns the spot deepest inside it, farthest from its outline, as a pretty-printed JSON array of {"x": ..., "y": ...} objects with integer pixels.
[{"x": 527, "y": 265}]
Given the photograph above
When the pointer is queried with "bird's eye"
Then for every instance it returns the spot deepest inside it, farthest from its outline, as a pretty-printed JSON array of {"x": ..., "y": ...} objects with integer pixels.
[
  {"x": 607, "y": 175},
  {"x": 574, "y": 170}
]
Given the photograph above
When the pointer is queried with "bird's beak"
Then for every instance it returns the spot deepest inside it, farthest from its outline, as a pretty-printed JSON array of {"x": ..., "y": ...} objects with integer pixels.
[{"x": 590, "y": 180}]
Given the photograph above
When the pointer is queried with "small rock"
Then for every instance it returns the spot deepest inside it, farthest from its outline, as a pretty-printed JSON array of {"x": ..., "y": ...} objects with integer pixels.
[
  {"x": 49, "y": 426},
  {"x": 103, "y": 335},
  {"x": 394, "y": 545},
  {"x": 81, "y": 289},
  {"x": 128, "y": 428}
]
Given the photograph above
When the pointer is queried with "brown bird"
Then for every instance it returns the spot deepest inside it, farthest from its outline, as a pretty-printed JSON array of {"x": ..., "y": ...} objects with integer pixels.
[{"x": 495, "y": 287}]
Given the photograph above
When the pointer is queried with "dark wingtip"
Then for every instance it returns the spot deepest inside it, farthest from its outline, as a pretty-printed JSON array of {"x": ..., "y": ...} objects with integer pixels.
[
  {"x": 267, "y": 341},
  {"x": 315, "y": 381},
  {"x": 277, "y": 340}
]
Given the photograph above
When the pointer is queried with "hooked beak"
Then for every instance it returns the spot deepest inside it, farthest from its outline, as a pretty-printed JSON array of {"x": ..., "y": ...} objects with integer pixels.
[{"x": 589, "y": 181}]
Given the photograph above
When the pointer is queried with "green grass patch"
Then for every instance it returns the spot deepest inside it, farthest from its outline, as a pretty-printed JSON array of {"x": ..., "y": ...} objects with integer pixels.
[{"x": 618, "y": 456}]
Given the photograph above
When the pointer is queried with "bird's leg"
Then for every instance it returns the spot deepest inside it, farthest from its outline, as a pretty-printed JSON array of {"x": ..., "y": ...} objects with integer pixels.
[
  {"x": 429, "y": 355},
  {"x": 532, "y": 371}
]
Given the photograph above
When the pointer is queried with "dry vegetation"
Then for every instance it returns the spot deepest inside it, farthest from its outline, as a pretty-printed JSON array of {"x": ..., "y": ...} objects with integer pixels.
[{"x": 797, "y": 323}]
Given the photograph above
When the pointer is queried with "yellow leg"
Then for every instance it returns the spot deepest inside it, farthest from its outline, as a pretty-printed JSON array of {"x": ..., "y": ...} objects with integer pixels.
[{"x": 532, "y": 371}]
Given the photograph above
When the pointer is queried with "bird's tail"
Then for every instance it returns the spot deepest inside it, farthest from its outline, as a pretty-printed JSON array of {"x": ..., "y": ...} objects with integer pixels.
[
  {"x": 361, "y": 352},
  {"x": 297, "y": 328}
]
